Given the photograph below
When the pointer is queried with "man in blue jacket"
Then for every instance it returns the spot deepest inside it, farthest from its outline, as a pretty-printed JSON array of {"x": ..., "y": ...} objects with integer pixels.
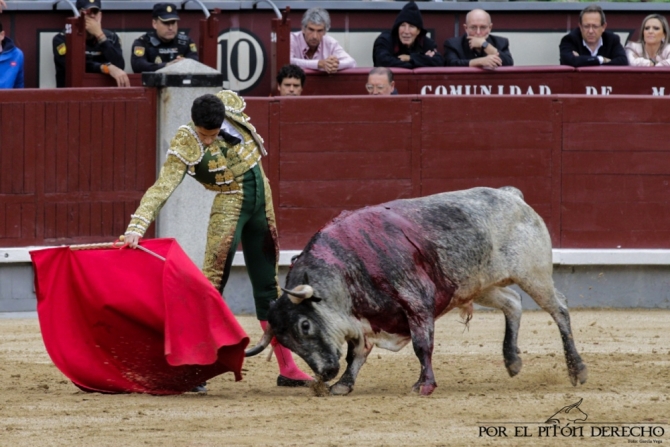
[{"x": 11, "y": 63}]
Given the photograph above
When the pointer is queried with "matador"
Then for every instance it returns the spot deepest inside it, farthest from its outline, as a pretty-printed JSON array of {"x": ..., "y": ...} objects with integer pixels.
[{"x": 221, "y": 149}]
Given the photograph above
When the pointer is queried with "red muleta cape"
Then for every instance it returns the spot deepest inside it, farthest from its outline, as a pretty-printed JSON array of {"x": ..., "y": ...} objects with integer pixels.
[{"x": 121, "y": 320}]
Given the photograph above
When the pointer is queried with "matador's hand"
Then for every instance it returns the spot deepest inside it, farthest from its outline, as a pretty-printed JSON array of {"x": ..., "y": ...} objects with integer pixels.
[{"x": 130, "y": 240}]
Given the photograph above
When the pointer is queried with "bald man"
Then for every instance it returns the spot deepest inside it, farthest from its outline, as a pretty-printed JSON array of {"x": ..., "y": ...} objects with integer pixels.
[{"x": 477, "y": 47}]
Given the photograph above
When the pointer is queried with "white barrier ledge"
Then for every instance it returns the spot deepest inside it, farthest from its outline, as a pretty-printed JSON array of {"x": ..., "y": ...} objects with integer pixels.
[{"x": 560, "y": 256}]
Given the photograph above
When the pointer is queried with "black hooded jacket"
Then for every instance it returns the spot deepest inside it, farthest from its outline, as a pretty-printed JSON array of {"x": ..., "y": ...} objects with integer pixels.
[{"x": 388, "y": 47}]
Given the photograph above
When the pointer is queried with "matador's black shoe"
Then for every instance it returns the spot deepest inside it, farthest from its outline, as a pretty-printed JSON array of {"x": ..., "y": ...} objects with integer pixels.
[
  {"x": 285, "y": 381},
  {"x": 199, "y": 388}
]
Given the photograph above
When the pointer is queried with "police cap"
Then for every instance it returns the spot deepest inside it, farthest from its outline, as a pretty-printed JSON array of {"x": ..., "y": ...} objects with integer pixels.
[
  {"x": 88, "y": 4},
  {"x": 165, "y": 12}
]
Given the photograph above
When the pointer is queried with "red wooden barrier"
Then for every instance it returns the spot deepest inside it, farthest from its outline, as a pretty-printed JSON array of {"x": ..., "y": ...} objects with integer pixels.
[{"x": 73, "y": 163}]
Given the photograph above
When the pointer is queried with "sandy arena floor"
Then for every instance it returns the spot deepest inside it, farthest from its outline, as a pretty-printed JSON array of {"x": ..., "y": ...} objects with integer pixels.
[{"x": 627, "y": 352}]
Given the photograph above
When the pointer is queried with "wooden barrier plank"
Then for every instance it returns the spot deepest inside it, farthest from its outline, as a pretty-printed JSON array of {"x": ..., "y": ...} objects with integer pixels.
[
  {"x": 485, "y": 109},
  {"x": 346, "y": 165},
  {"x": 106, "y": 133},
  {"x": 341, "y": 194},
  {"x": 346, "y": 136},
  {"x": 625, "y": 163},
  {"x": 62, "y": 142},
  {"x": 616, "y": 188},
  {"x": 62, "y": 221},
  {"x": 615, "y": 136},
  {"x": 13, "y": 220},
  {"x": 489, "y": 136},
  {"x": 97, "y": 163},
  {"x": 118, "y": 148},
  {"x": 345, "y": 109},
  {"x": 130, "y": 147},
  {"x": 84, "y": 224},
  {"x": 86, "y": 134},
  {"x": 604, "y": 238},
  {"x": 74, "y": 146},
  {"x": 616, "y": 109},
  {"x": 615, "y": 216},
  {"x": 475, "y": 163},
  {"x": 96, "y": 217}
]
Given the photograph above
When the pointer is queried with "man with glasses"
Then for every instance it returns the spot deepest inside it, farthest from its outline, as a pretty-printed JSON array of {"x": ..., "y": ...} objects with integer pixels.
[
  {"x": 103, "y": 47},
  {"x": 163, "y": 46},
  {"x": 380, "y": 82},
  {"x": 590, "y": 43},
  {"x": 477, "y": 47}
]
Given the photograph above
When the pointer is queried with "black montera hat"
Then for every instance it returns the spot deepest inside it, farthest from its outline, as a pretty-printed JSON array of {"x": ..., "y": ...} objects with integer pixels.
[
  {"x": 165, "y": 12},
  {"x": 88, "y": 4}
]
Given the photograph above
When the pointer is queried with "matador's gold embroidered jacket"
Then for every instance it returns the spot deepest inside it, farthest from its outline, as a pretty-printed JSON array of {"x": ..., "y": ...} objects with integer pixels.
[{"x": 218, "y": 167}]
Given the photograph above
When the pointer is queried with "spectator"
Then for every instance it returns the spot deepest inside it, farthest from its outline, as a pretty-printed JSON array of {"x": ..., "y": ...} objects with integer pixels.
[
  {"x": 163, "y": 46},
  {"x": 380, "y": 82},
  {"x": 242, "y": 208},
  {"x": 652, "y": 50},
  {"x": 103, "y": 47},
  {"x": 312, "y": 48},
  {"x": 406, "y": 45},
  {"x": 290, "y": 80},
  {"x": 590, "y": 43},
  {"x": 477, "y": 47},
  {"x": 11, "y": 63}
]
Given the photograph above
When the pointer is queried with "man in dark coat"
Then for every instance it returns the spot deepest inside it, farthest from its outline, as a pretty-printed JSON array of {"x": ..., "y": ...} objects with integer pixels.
[
  {"x": 406, "y": 45},
  {"x": 477, "y": 47},
  {"x": 164, "y": 45},
  {"x": 103, "y": 47},
  {"x": 590, "y": 43}
]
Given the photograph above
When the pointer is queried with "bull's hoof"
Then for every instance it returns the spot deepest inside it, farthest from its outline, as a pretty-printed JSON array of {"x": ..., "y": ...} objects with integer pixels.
[
  {"x": 340, "y": 389},
  {"x": 578, "y": 374},
  {"x": 424, "y": 389},
  {"x": 513, "y": 366}
]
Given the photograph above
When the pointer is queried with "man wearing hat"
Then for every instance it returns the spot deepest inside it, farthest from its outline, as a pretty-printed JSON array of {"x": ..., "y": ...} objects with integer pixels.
[
  {"x": 406, "y": 45},
  {"x": 103, "y": 47},
  {"x": 164, "y": 45}
]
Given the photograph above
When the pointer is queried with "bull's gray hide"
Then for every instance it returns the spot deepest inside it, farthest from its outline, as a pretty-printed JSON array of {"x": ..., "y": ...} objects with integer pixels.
[{"x": 381, "y": 275}]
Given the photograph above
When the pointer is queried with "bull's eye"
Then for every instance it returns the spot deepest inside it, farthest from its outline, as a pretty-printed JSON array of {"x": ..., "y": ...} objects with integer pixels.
[{"x": 304, "y": 326}]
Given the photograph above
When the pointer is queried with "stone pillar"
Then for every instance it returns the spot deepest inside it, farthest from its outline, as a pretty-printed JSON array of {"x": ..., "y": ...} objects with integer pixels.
[{"x": 185, "y": 215}]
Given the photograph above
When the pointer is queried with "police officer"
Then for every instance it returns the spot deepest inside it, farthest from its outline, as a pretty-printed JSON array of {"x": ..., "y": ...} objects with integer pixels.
[
  {"x": 103, "y": 47},
  {"x": 164, "y": 45}
]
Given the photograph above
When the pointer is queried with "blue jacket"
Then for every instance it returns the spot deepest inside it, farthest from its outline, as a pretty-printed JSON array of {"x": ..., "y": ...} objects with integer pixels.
[{"x": 11, "y": 65}]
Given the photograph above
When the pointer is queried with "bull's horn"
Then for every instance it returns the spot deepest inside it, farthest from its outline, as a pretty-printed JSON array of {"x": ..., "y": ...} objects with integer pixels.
[
  {"x": 302, "y": 292},
  {"x": 265, "y": 341}
]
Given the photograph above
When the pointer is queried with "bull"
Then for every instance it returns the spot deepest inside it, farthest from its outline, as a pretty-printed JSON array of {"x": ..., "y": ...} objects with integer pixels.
[{"x": 382, "y": 275}]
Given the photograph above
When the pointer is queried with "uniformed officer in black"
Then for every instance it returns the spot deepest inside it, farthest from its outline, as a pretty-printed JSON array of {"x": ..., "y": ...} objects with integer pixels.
[
  {"x": 164, "y": 45},
  {"x": 103, "y": 47}
]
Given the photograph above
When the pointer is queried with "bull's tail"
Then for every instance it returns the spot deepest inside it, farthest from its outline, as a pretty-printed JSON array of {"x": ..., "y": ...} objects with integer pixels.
[
  {"x": 513, "y": 190},
  {"x": 465, "y": 313}
]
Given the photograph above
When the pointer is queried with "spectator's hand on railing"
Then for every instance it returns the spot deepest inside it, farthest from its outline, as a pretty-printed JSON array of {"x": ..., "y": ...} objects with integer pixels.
[
  {"x": 119, "y": 75},
  {"x": 430, "y": 53},
  {"x": 490, "y": 62},
  {"x": 404, "y": 57},
  {"x": 329, "y": 64}
]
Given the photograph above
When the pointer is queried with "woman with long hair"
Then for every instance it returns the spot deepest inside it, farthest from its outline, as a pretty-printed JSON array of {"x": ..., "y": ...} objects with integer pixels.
[{"x": 652, "y": 50}]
